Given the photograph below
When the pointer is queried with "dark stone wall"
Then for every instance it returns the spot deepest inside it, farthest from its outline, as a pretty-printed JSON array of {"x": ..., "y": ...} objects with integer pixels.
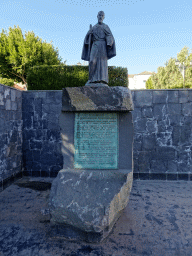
[
  {"x": 41, "y": 133},
  {"x": 10, "y": 134},
  {"x": 163, "y": 134}
]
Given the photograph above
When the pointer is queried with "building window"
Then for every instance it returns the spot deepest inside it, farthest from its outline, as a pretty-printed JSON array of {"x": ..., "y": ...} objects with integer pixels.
[{"x": 144, "y": 81}]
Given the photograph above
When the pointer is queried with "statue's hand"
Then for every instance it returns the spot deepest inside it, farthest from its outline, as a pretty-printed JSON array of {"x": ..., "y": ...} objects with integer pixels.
[
  {"x": 110, "y": 46},
  {"x": 90, "y": 32}
]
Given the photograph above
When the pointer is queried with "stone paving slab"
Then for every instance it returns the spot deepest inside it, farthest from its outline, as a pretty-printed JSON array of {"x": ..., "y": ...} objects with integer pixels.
[{"x": 157, "y": 221}]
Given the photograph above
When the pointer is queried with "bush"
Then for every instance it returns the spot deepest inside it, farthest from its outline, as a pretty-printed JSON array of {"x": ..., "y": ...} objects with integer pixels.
[{"x": 57, "y": 77}]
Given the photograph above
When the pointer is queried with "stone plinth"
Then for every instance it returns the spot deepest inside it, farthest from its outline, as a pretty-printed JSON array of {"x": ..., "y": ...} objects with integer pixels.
[
  {"x": 96, "y": 99},
  {"x": 97, "y": 137}
]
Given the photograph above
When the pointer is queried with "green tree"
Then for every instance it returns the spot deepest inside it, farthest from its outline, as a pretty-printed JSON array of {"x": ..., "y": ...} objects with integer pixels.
[
  {"x": 184, "y": 57},
  {"x": 18, "y": 53},
  {"x": 149, "y": 83},
  {"x": 170, "y": 77}
]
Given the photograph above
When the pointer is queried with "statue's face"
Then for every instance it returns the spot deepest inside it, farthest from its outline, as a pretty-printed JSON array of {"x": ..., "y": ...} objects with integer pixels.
[{"x": 100, "y": 17}]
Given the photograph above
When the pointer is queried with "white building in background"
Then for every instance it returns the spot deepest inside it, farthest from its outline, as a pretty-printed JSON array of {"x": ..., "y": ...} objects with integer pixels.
[{"x": 138, "y": 81}]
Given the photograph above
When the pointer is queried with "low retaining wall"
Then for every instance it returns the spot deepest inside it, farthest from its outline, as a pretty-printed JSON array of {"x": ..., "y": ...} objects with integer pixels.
[
  {"x": 162, "y": 133},
  {"x": 10, "y": 134},
  {"x": 41, "y": 133}
]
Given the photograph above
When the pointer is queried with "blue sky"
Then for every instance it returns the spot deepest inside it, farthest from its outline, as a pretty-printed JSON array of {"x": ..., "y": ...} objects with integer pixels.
[{"x": 147, "y": 32}]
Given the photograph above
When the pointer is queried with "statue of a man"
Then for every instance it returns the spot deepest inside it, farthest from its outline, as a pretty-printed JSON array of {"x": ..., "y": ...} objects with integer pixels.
[{"x": 99, "y": 46}]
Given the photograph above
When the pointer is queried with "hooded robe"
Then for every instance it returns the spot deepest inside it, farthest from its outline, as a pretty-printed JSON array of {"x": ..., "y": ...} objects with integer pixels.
[{"x": 97, "y": 51}]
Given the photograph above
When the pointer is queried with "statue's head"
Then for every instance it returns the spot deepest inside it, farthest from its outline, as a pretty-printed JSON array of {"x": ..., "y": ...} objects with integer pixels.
[{"x": 100, "y": 16}]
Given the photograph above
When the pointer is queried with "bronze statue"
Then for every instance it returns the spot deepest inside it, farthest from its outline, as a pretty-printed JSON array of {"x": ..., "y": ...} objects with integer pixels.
[{"x": 99, "y": 46}]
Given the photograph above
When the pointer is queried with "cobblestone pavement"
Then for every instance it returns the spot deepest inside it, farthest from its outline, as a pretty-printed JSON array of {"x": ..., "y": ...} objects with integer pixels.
[{"x": 157, "y": 221}]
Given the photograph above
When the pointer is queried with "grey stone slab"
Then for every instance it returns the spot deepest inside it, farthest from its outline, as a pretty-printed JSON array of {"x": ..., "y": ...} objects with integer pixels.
[
  {"x": 164, "y": 126},
  {"x": 183, "y": 96},
  {"x": 186, "y": 134},
  {"x": 186, "y": 120},
  {"x": 28, "y": 95},
  {"x": 8, "y": 104},
  {"x": 133, "y": 95},
  {"x": 160, "y": 111},
  {"x": 190, "y": 95},
  {"x": 14, "y": 105},
  {"x": 172, "y": 166},
  {"x": 2, "y": 125},
  {"x": 125, "y": 141},
  {"x": 149, "y": 142},
  {"x": 143, "y": 98},
  {"x": 164, "y": 153},
  {"x": 173, "y": 96},
  {"x": 144, "y": 159},
  {"x": 187, "y": 109},
  {"x": 96, "y": 99},
  {"x": 50, "y": 97},
  {"x": 45, "y": 108},
  {"x": 183, "y": 167},
  {"x": 158, "y": 166},
  {"x": 13, "y": 95},
  {"x": 1, "y": 88},
  {"x": 18, "y": 94},
  {"x": 103, "y": 196},
  {"x": 136, "y": 113},
  {"x": 175, "y": 119},
  {"x": 67, "y": 124},
  {"x": 7, "y": 93},
  {"x": 19, "y": 105},
  {"x": 2, "y": 99},
  {"x": 164, "y": 139},
  {"x": 38, "y": 106},
  {"x": 174, "y": 109},
  {"x": 140, "y": 125},
  {"x": 160, "y": 96},
  {"x": 147, "y": 112},
  {"x": 151, "y": 126},
  {"x": 55, "y": 108},
  {"x": 58, "y": 97}
]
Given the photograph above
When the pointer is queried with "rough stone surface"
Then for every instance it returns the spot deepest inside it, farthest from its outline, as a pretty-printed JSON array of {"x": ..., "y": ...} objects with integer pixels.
[
  {"x": 96, "y": 99},
  {"x": 41, "y": 132},
  {"x": 160, "y": 121},
  {"x": 10, "y": 133},
  {"x": 162, "y": 133},
  {"x": 89, "y": 200}
]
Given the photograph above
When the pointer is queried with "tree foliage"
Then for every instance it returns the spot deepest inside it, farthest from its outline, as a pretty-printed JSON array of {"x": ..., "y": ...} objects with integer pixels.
[
  {"x": 170, "y": 77},
  {"x": 18, "y": 53},
  {"x": 6, "y": 81},
  {"x": 149, "y": 83}
]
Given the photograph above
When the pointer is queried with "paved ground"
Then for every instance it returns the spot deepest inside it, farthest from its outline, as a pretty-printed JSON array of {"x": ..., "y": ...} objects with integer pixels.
[{"x": 157, "y": 221}]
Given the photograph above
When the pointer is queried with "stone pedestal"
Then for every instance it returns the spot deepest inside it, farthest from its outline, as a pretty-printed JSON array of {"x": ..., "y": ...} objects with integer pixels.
[{"x": 93, "y": 187}]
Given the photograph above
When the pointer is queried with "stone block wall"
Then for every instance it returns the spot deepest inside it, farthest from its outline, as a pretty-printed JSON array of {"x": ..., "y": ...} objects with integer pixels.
[
  {"x": 163, "y": 134},
  {"x": 41, "y": 133},
  {"x": 10, "y": 134}
]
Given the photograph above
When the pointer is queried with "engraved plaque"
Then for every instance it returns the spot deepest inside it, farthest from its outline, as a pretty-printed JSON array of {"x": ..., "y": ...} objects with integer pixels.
[{"x": 96, "y": 140}]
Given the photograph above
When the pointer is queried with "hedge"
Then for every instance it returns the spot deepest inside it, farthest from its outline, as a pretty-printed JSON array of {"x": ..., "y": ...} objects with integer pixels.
[{"x": 56, "y": 77}]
